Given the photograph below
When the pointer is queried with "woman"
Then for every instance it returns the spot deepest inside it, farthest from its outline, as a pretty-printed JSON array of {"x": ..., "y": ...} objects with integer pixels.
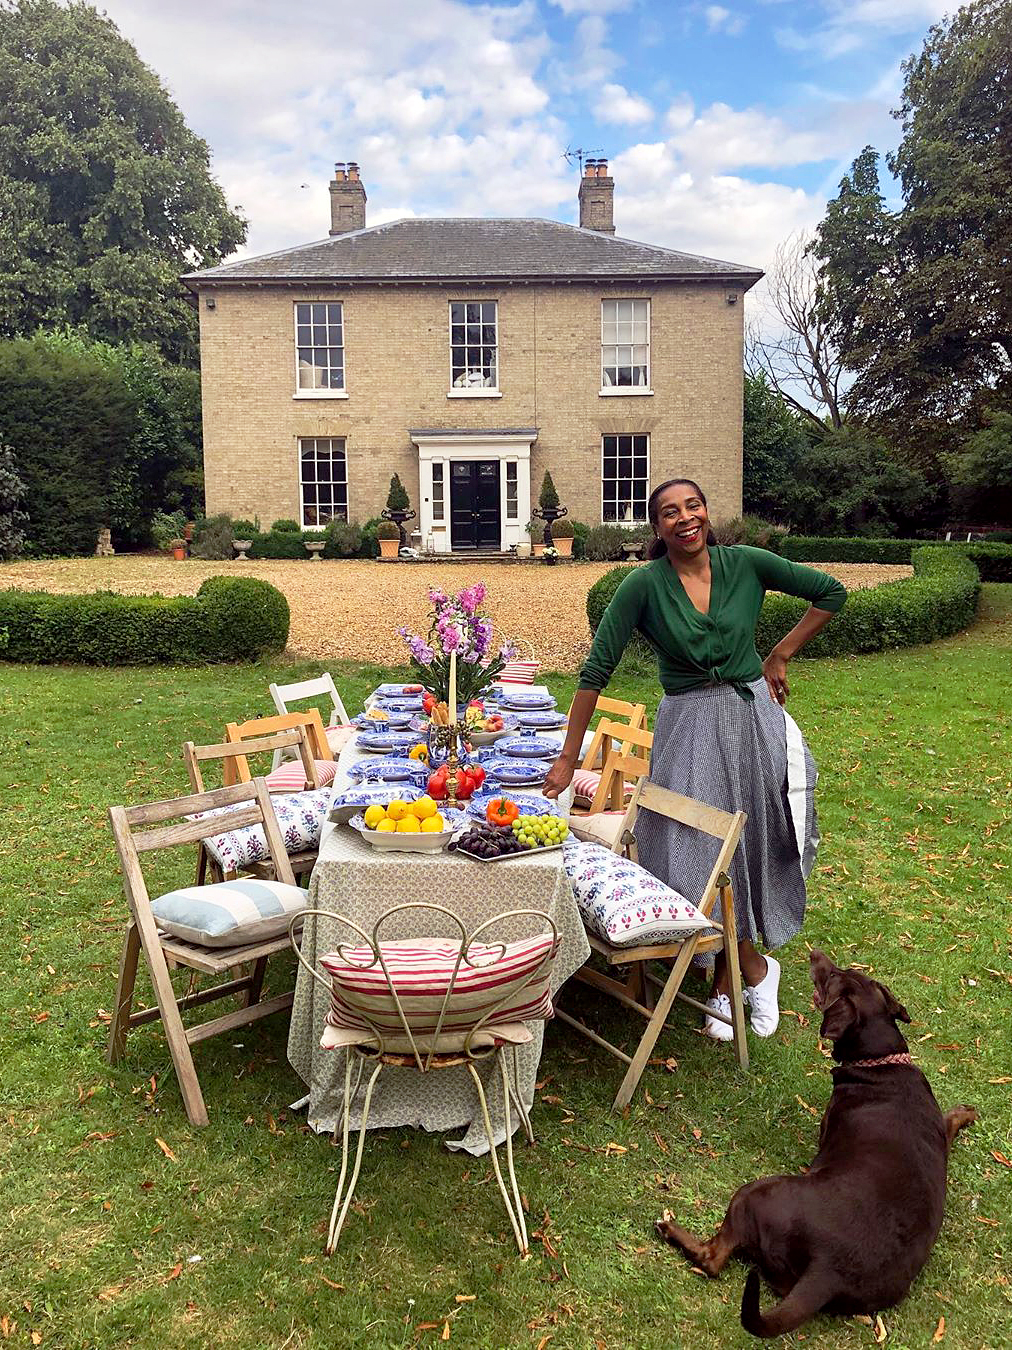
[{"x": 721, "y": 735}]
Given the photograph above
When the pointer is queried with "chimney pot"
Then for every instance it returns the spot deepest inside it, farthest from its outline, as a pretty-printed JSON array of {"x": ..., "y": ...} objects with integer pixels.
[
  {"x": 347, "y": 199},
  {"x": 597, "y": 198}
]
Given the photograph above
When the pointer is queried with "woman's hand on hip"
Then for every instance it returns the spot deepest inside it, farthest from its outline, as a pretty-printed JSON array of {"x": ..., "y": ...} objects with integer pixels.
[
  {"x": 559, "y": 777},
  {"x": 775, "y": 674}
]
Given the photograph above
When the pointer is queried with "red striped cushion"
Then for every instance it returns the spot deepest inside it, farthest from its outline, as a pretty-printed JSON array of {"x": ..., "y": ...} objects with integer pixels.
[
  {"x": 519, "y": 672},
  {"x": 291, "y": 777},
  {"x": 507, "y": 983},
  {"x": 586, "y": 781}
]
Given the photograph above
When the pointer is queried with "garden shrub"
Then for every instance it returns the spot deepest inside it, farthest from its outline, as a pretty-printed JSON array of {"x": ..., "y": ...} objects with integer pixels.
[
  {"x": 604, "y": 542},
  {"x": 166, "y": 526},
  {"x": 229, "y": 619},
  {"x": 580, "y": 532},
  {"x": 245, "y": 529},
  {"x": 12, "y": 518},
  {"x": 280, "y": 544},
  {"x": 286, "y": 527},
  {"x": 344, "y": 539},
  {"x": 370, "y": 542},
  {"x": 751, "y": 530},
  {"x": 938, "y": 600},
  {"x": 212, "y": 539},
  {"x": 993, "y": 561},
  {"x": 817, "y": 548}
]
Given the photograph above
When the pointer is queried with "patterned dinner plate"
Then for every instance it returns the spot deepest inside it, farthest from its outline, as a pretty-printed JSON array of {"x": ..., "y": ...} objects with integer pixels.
[
  {"x": 527, "y": 803},
  {"x": 530, "y": 747},
  {"x": 383, "y": 742},
  {"x": 393, "y": 720},
  {"x": 392, "y": 691},
  {"x": 520, "y": 702},
  {"x": 354, "y": 800},
  {"x": 403, "y": 703},
  {"x": 392, "y": 769},
  {"x": 521, "y": 771},
  {"x": 543, "y": 721}
]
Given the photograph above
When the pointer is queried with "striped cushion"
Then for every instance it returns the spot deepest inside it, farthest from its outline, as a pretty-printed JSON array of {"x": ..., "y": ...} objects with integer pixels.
[
  {"x": 622, "y": 902},
  {"x": 585, "y": 784},
  {"x": 507, "y": 983},
  {"x": 290, "y": 777},
  {"x": 519, "y": 672},
  {"x": 300, "y": 817},
  {"x": 229, "y": 913}
]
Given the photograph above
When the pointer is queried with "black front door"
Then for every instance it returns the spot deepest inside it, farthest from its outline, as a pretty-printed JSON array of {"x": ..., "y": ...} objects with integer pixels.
[{"x": 474, "y": 504}]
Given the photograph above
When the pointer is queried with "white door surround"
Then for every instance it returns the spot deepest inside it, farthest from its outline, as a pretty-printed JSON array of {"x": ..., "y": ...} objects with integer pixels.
[{"x": 512, "y": 447}]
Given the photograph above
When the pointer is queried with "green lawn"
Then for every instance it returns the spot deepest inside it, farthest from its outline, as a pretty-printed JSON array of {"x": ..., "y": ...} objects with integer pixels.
[{"x": 109, "y": 1242}]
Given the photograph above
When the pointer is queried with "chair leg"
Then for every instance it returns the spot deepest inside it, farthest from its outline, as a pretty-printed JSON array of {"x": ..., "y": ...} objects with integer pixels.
[
  {"x": 175, "y": 1032},
  {"x": 734, "y": 975},
  {"x": 490, "y": 1136},
  {"x": 124, "y": 995},
  {"x": 256, "y": 982},
  {"x": 517, "y": 1202},
  {"x": 337, "y": 1222},
  {"x": 655, "y": 1025},
  {"x": 522, "y": 1111}
]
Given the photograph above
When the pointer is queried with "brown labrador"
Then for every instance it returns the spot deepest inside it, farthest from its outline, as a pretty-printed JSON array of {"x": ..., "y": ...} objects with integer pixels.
[{"x": 851, "y": 1234}]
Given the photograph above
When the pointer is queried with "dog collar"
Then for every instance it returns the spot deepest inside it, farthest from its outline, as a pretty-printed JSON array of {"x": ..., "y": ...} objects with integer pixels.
[{"x": 905, "y": 1058}]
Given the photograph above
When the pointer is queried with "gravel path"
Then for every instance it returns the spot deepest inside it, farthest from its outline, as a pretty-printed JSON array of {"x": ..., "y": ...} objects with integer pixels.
[{"x": 350, "y": 611}]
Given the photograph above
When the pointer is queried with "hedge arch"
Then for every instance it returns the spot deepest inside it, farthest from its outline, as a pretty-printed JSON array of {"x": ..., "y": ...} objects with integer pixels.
[
  {"x": 938, "y": 600},
  {"x": 229, "y": 619}
]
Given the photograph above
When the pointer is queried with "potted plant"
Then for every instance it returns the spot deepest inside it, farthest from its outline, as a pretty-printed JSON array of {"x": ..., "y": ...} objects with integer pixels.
[
  {"x": 550, "y": 555},
  {"x": 548, "y": 509},
  {"x": 562, "y": 537},
  {"x": 177, "y": 547},
  {"x": 397, "y": 510},
  {"x": 536, "y": 530},
  {"x": 389, "y": 536}
]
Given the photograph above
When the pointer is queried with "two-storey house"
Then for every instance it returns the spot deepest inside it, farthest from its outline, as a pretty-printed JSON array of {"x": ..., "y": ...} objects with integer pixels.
[{"x": 469, "y": 356}]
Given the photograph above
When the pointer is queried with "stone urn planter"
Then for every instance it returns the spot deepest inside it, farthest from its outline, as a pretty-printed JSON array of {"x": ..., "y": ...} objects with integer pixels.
[
  {"x": 314, "y": 547},
  {"x": 633, "y": 550},
  {"x": 241, "y": 547}
]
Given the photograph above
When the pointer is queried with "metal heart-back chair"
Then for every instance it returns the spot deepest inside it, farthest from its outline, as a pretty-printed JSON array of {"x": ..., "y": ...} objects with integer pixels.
[{"x": 431, "y": 1004}]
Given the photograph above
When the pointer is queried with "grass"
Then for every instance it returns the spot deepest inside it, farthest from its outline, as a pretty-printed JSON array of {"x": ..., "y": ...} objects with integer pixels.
[{"x": 108, "y": 1241}]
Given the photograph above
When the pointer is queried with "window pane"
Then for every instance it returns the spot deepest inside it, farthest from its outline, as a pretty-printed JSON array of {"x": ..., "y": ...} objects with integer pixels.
[
  {"x": 624, "y": 309},
  {"x": 301, "y": 313},
  {"x": 474, "y": 313}
]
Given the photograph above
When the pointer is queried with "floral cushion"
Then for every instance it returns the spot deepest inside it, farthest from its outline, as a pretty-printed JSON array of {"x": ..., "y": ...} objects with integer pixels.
[
  {"x": 300, "y": 817},
  {"x": 291, "y": 777},
  {"x": 622, "y": 903},
  {"x": 229, "y": 913}
]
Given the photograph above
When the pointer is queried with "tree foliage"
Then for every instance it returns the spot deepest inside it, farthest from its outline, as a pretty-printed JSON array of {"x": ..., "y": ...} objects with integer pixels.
[
  {"x": 12, "y": 518},
  {"x": 397, "y": 497},
  {"x": 772, "y": 441},
  {"x": 106, "y": 196}
]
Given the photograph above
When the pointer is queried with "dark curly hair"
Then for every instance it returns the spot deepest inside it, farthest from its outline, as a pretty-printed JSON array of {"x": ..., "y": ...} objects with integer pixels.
[{"x": 657, "y": 547}]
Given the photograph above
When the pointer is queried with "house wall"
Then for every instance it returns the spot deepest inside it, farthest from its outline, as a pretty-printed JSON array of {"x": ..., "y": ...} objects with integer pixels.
[{"x": 397, "y": 367}]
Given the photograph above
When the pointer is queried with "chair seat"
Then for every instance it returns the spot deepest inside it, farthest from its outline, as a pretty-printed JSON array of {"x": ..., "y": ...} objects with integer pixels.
[
  {"x": 504, "y": 1033},
  {"x": 602, "y": 827},
  {"x": 290, "y": 777}
]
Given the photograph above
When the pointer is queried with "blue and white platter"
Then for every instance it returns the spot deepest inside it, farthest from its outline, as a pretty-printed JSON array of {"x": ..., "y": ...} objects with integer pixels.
[
  {"x": 527, "y": 772},
  {"x": 521, "y": 702},
  {"x": 543, "y": 721},
  {"x": 392, "y": 769},
  {"x": 392, "y": 691},
  {"x": 394, "y": 720},
  {"x": 351, "y": 801},
  {"x": 407, "y": 703},
  {"x": 529, "y": 747},
  {"x": 527, "y": 803},
  {"x": 383, "y": 742}
]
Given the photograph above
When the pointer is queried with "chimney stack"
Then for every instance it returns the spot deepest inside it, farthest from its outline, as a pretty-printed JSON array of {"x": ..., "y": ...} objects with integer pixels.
[
  {"x": 347, "y": 200},
  {"x": 597, "y": 198}
]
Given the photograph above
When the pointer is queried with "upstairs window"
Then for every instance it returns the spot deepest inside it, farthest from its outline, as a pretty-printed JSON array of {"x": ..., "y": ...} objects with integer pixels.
[
  {"x": 319, "y": 346},
  {"x": 474, "y": 345},
  {"x": 625, "y": 344},
  {"x": 625, "y": 479},
  {"x": 323, "y": 480}
]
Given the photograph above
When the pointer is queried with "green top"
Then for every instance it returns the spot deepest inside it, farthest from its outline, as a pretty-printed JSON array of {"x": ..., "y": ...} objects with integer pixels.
[{"x": 695, "y": 649}]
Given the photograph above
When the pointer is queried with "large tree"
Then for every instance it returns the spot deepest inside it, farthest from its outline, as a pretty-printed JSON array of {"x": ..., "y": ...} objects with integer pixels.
[
  {"x": 922, "y": 298},
  {"x": 106, "y": 196}
]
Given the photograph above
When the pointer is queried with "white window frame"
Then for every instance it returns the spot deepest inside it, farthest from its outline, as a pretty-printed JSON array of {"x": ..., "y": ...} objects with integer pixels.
[
  {"x": 302, "y": 440},
  {"x": 472, "y": 391},
  {"x": 342, "y": 392},
  {"x": 633, "y": 520},
  {"x": 611, "y": 348},
  {"x": 443, "y": 479},
  {"x": 511, "y": 477}
]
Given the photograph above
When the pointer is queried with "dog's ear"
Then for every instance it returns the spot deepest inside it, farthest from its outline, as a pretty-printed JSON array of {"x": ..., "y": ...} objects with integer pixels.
[
  {"x": 839, "y": 1017},
  {"x": 894, "y": 1008}
]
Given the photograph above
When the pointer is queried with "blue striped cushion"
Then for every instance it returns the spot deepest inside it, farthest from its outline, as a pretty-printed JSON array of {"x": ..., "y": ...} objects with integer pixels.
[{"x": 229, "y": 913}]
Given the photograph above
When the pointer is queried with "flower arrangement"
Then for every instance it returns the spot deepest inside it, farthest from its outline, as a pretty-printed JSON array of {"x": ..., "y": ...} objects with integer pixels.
[
  {"x": 458, "y": 627},
  {"x": 549, "y": 555}
]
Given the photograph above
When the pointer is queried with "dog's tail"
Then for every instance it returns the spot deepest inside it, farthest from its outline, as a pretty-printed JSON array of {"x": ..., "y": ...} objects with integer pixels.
[{"x": 810, "y": 1294}]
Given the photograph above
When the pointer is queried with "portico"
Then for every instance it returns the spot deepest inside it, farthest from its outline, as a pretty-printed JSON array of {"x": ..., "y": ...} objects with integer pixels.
[{"x": 474, "y": 488}]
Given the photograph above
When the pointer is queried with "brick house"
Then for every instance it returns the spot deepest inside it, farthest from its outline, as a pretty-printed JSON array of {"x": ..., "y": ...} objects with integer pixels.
[{"x": 469, "y": 356}]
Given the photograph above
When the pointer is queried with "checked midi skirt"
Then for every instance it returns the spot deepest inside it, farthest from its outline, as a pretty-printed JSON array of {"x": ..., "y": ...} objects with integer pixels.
[{"x": 711, "y": 744}]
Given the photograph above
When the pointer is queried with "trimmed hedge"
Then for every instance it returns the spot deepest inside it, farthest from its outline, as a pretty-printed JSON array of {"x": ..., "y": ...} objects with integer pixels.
[
  {"x": 281, "y": 544},
  {"x": 229, "y": 619},
  {"x": 993, "y": 560},
  {"x": 938, "y": 600}
]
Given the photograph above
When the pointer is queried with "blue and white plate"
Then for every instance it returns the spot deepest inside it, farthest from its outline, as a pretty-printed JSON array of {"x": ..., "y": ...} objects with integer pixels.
[
  {"x": 521, "y": 702},
  {"x": 395, "y": 721},
  {"x": 543, "y": 721},
  {"x": 393, "y": 691},
  {"x": 529, "y": 747},
  {"x": 351, "y": 801},
  {"x": 385, "y": 742},
  {"x": 527, "y": 772},
  {"x": 392, "y": 769},
  {"x": 527, "y": 803},
  {"x": 406, "y": 703}
]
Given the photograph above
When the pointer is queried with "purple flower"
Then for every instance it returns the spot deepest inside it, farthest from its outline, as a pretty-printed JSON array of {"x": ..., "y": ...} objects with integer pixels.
[
  {"x": 507, "y": 652},
  {"x": 449, "y": 635},
  {"x": 438, "y": 598},
  {"x": 421, "y": 651},
  {"x": 471, "y": 597}
]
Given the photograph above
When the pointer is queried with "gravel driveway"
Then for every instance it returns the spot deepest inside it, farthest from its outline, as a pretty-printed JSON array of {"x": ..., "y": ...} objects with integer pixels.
[{"x": 350, "y": 611}]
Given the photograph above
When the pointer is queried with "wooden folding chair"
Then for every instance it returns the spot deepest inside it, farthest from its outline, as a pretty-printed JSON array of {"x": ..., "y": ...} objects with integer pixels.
[
  {"x": 633, "y": 743},
  {"x": 322, "y": 687},
  {"x": 195, "y": 755},
  {"x": 237, "y": 768},
  {"x": 635, "y": 990},
  {"x": 611, "y": 823},
  {"x": 132, "y": 838},
  {"x": 617, "y": 709}
]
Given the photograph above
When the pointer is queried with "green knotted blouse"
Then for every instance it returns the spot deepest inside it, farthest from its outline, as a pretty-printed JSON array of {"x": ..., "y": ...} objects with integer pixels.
[{"x": 695, "y": 649}]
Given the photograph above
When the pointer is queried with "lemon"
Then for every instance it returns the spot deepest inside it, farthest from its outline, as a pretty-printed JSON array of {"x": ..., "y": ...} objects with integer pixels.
[
  {"x": 386, "y": 826},
  {"x": 433, "y": 824},
  {"x": 424, "y": 807},
  {"x": 374, "y": 814},
  {"x": 408, "y": 825},
  {"x": 397, "y": 810}
]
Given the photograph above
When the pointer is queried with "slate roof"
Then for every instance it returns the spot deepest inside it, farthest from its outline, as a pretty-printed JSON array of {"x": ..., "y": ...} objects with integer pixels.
[{"x": 448, "y": 249}]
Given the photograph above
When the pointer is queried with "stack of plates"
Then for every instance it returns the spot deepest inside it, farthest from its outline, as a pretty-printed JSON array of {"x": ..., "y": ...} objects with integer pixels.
[
  {"x": 543, "y": 721},
  {"x": 529, "y": 747},
  {"x": 519, "y": 701},
  {"x": 354, "y": 800},
  {"x": 523, "y": 772},
  {"x": 392, "y": 769},
  {"x": 381, "y": 741}
]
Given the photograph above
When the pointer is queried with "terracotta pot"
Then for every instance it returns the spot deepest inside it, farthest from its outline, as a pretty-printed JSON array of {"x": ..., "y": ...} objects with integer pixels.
[
  {"x": 179, "y": 554},
  {"x": 389, "y": 548},
  {"x": 564, "y": 544},
  {"x": 538, "y": 549}
]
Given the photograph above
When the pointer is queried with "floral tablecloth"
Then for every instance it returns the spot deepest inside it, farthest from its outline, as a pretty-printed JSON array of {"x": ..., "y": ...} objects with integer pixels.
[{"x": 353, "y": 879}]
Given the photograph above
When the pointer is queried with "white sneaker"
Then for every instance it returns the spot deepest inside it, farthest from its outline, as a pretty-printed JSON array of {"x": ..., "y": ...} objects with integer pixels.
[
  {"x": 718, "y": 1031},
  {"x": 763, "y": 1000}
]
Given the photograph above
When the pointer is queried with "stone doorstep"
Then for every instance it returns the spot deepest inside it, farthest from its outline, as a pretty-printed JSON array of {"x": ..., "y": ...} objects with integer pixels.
[{"x": 473, "y": 557}]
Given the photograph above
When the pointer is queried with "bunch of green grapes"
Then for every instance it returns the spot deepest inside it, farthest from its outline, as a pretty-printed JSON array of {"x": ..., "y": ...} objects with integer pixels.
[{"x": 540, "y": 831}]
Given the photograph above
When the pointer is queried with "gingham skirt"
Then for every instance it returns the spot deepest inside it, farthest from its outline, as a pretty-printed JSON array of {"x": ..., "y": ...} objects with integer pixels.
[{"x": 710, "y": 744}]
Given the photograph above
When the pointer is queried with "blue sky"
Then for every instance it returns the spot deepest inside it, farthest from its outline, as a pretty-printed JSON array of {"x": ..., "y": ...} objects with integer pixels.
[{"x": 726, "y": 126}]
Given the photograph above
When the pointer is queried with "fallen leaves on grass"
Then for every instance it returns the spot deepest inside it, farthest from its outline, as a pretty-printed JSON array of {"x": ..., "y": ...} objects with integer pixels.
[
  {"x": 1000, "y": 1157},
  {"x": 332, "y": 1284},
  {"x": 939, "y": 1331},
  {"x": 174, "y": 1273},
  {"x": 166, "y": 1150}
]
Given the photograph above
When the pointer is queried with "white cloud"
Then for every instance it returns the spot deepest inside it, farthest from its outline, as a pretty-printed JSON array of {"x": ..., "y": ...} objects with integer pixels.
[
  {"x": 616, "y": 104},
  {"x": 849, "y": 25},
  {"x": 569, "y": 7},
  {"x": 721, "y": 20},
  {"x": 722, "y": 137}
]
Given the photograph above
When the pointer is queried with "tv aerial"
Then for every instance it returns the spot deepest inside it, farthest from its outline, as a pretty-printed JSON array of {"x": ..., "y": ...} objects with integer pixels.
[{"x": 578, "y": 154}]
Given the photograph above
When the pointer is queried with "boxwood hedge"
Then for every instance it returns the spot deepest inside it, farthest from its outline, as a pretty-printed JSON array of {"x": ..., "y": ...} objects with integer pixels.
[
  {"x": 994, "y": 560},
  {"x": 229, "y": 619},
  {"x": 939, "y": 599}
]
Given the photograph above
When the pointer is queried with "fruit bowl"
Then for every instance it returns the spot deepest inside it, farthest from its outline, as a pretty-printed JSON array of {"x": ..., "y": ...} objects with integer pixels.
[
  {"x": 354, "y": 800},
  {"x": 394, "y": 842},
  {"x": 483, "y": 738}
]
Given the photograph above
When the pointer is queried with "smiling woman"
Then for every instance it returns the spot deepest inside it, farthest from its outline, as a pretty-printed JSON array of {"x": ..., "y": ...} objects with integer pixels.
[{"x": 722, "y": 735}]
